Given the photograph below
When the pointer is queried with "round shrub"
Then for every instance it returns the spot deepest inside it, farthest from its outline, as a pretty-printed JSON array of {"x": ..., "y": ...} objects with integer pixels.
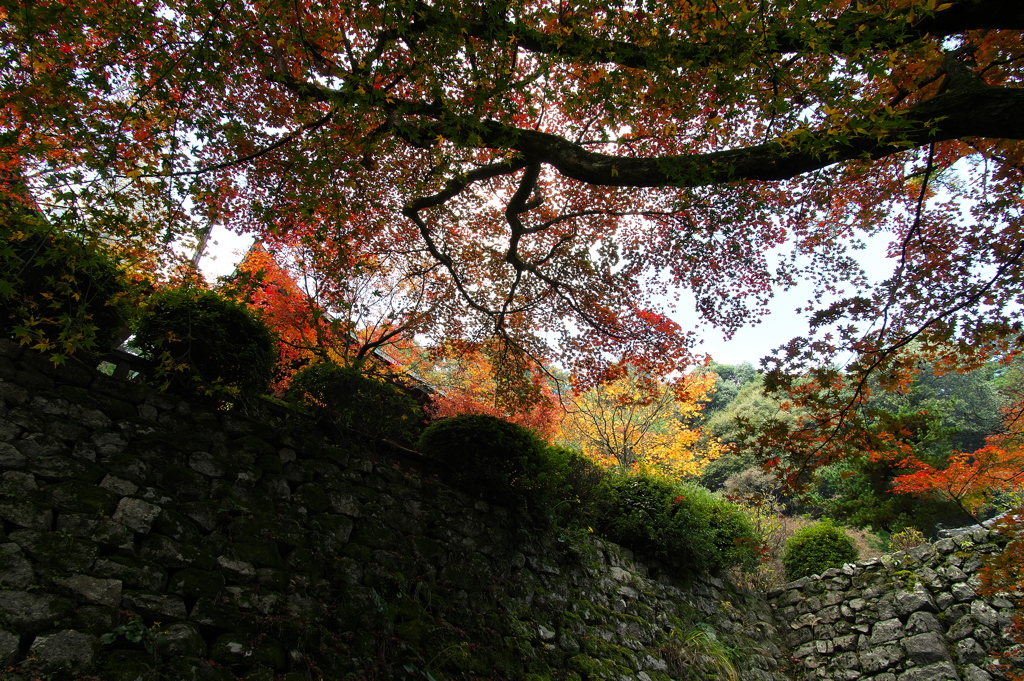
[
  {"x": 58, "y": 293},
  {"x": 573, "y": 478},
  {"x": 684, "y": 525},
  {"x": 349, "y": 399},
  {"x": 816, "y": 548},
  {"x": 207, "y": 345},
  {"x": 503, "y": 461}
]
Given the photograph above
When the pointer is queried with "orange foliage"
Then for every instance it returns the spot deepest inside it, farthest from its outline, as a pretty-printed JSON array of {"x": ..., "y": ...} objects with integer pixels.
[
  {"x": 639, "y": 421},
  {"x": 968, "y": 479},
  {"x": 1004, "y": 573},
  {"x": 467, "y": 385}
]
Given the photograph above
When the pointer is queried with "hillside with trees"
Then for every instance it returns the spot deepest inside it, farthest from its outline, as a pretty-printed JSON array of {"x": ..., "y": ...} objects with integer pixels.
[{"x": 516, "y": 197}]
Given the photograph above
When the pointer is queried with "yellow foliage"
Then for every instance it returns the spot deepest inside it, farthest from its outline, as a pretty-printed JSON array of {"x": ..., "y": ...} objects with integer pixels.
[{"x": 640, "y": 422}]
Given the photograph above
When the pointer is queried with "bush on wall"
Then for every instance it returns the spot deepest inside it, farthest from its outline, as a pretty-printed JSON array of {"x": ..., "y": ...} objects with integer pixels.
[
  {"x": 500, "y": 460},
  {"x": 59, "y": 294},
  {"x": 352, "y": 400},
  {"x": 816, "y": 548},
  {"x": 207, "y": 345},
  {"x": 683, "y": 525}
]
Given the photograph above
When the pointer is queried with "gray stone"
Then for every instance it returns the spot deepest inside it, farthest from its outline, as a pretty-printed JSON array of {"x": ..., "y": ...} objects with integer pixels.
[
  {"x": 921, "y": 622},
  {"x": 10, "y": 457},
  {"x": 119, "y": 486},
  {"x": 985, "y": 614},
  {"x": 56, "y": 549},
  {"x": 969, "y": 652},
  {"x": 154, "y": 606},
  {"x": 136, "y": 514},
  {"x": 919, "y": 600},
  {"x": 943, "y": 671},
  {"x": 10, "y": 645},
  {"x": 30, "y": 613},
  {"x": 102, "y": 591},
  {"x": 926, "y": 648},
  {"x": 962, "y": 592},
  {"x": 65, "y": 651},
  {"x": 103, "y": 531},
  {"x": 885, "y": 631},
  {"x": 15, "y": 570},
  {"x": 975, "y": 673},
  {"x": 133, "y": 572},
  {"x": 236, "y": 570},
  {"x": 207, "y": 464},
  {"x": 880, "y": 658},
  {"x": 180, "y": 638}
]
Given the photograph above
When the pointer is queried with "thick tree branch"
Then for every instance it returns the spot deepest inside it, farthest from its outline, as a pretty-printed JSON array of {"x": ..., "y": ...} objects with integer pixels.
[
  {"x": 981, "y": 112},
  {"x": 580, "y": 46}
]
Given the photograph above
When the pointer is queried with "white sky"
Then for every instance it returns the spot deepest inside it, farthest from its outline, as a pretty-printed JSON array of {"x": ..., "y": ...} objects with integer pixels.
[{"x": 748, "y": 344}]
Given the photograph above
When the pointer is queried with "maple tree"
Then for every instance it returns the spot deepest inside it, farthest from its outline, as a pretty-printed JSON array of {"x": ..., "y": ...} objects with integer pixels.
[
  {"x": 351, "y": 318},
  {"x": 551, "y": 171},
  {"x": 967, "y": 479},
  {"x": 637, "y": 421},
  {"x": 465, "y": 381}
]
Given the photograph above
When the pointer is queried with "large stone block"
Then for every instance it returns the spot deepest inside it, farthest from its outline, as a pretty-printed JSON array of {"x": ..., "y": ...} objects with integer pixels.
[
  {"x": 30, "y": 613},
  {"x": 70, "y": 652},
  {"x": 926, "y": 648}
]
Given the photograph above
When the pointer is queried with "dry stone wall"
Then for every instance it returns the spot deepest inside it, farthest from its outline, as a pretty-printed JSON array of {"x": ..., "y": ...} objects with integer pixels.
[
  {"x": 909, "y": 616},
  {"x": 143, "y": 538}
]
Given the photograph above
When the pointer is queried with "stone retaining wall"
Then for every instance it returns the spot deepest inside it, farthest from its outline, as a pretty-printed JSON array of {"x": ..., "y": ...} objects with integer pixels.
[
  {"x": 909, "y": 616},
  {"x": 143, "y": 538}
]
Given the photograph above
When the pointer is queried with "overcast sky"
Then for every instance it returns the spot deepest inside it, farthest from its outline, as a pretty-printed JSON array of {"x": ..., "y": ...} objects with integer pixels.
[{"x": 748, "y": 344}]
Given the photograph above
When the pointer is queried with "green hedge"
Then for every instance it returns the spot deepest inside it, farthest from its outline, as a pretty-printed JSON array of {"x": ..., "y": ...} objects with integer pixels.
[
  {"x": 683, "y": 525},
  {"x": 58, "y": 293},
  {"x": 349, "y": 399},
  {"x": 207, "y": 346},
  {"x": 502, "y": 461},
  {"x": 816, "y": 548}
]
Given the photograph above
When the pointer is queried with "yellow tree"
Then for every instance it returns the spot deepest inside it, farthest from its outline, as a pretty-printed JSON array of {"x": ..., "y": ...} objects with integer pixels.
[{"x": 641, "y": 421}]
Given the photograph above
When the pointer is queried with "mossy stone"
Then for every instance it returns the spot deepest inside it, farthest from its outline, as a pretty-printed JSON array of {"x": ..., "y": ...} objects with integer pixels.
[
  {"x": 57, "y": 549},
  {"x": 195, "y": 583},
  {"x": 177, "y": 526},
  {"x": 166, "y": 551},
  {"x": 259, "y": 553},
  {"x": 103, "y": 531},
  {"x": 259, "y": 672},
  {"x": 95, "y": 619},
  {"x": 332, "y": 532},
  {"x": 136, "y": 573},
  {"x": 312, "y": 496},
  {"x": 130, "y": 665},
  {"x": 183, "y": 482},
  {"x": 77, "y": 496}
]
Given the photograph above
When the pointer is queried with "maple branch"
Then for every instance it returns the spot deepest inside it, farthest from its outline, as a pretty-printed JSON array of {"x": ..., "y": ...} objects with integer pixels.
[
  {"x": 287, "y": 139},
  {"x": 579, "y": 45}
]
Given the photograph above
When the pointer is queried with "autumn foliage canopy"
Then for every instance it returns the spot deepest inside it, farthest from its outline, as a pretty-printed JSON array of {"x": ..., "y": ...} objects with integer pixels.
[{"x": 548, "y": 175}]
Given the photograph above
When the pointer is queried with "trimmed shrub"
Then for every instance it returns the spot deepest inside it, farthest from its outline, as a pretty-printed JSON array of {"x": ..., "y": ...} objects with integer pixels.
[
  {"x": 574, "y": 478},
  {"x": 207, "y": 346},
  {"x": 501, "y": 460},
  {"x": 683, "y": 525},
  {"x": 816, "y": 548},
  {"x": 352, "y": 400},
  {"x": 59, "y": 294}
]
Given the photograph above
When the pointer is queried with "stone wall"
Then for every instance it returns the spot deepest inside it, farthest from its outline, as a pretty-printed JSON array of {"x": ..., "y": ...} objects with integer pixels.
[
  {"x": 909, "y": 616},
  {"x": 144, "y": 538}
]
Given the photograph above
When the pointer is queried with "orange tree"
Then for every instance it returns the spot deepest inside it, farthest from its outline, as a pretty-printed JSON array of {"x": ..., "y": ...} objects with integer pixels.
[
  {"x": 637, "y": 421},
  {"x": 470, "y": 379},
  {"x": 551, "y": 169},
  {"x": 349, "y": 317}
]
